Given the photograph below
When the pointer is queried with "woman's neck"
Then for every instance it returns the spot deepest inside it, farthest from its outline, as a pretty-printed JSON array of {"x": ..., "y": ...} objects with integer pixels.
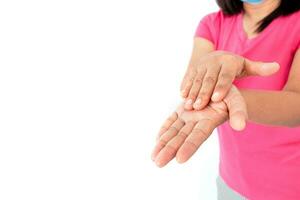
[{"x": 259, "y": 11}]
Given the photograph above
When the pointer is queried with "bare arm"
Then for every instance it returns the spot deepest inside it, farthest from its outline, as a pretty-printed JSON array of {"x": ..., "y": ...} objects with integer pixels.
[
  {"x": 278, "y": 108},
  {"x": 206, "y": 59}
]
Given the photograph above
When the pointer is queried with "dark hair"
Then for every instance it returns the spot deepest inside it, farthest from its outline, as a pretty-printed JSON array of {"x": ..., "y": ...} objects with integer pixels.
[{"x": 286, "y": 7}]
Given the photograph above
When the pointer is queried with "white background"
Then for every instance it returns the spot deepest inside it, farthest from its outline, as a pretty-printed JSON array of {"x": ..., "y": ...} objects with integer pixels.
[{"x": 84, "y": 88}]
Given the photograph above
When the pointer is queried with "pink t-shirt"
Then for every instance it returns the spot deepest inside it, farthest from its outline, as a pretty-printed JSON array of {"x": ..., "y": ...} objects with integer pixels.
[{"x": 262, "y": 162}]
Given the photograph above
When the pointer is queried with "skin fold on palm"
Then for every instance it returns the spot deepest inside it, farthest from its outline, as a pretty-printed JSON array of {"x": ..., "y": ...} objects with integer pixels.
[{"x": 184, "y": 131}]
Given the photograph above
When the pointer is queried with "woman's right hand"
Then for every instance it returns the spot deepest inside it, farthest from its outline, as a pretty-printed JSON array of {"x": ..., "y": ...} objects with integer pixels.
[
  {"x": 184, "y": 131},
  {"x": 214, "y": 74}
]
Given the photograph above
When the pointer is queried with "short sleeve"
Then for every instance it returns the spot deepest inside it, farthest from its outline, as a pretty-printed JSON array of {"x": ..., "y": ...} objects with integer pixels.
[
  {"x": 209, "y": 27},
  {"x": 295, "y": 24},
  {"x": 298, "y": 35}
]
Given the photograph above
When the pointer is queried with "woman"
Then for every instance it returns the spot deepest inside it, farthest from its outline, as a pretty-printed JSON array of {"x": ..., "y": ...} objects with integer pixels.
[{"x": 259, "y": 159}]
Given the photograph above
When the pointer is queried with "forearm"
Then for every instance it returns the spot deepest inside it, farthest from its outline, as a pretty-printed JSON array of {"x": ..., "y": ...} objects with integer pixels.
[{"x": 278, "y": 108}]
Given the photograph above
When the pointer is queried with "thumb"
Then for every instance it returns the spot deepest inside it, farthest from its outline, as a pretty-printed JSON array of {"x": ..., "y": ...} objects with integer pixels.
[
  {"x": 237, "y": 108},
  {"x": 253, "y": 68}
]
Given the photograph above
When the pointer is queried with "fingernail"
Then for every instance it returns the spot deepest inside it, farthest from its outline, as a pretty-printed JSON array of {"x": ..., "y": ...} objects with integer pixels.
[
  {"x": 179, "y": 160},
  {"x": 158, "y": 163},
  {"x": 238, "y": 125},
  {"x": 215, "y": 96},
  {"x": 189, "y": 102},
  {"x": 157, "y": 139},
  {"x": 267, "y": 66},
  {"x": 275, "y": 63},
  {"x": 153, "y": 157},
  {"x": 197, "y": 103}
]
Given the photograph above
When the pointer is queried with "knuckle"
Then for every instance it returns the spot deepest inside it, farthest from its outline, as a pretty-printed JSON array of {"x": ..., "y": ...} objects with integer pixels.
[
  {"x": 221, "y": 86},
  {"x": 205, "y": 135},
  {"x": 188, "y": 84},
  {"x": 199, "y": 130},
  {"x": 192, "y": 144},
  {"x": 210, "y": 80},
  {"x": 203, "y": 95},
  {"x": 227, "y": 58},
  {"x": 198, "y": 81},
  {"x": 182, "y": 134},
  {"x": 170, "y": 120},
  {"x": 235, "y": 105},
  {"x": 170, "y": 147},
  {"x": 163, "y": 142},
  {"x": 236, "y": 99},
  {"x": 163, "y": 128},
  {"x": 239, "y": 112},
  {"x": 226, "y": 76},
  {"x": 222, "y": 57},
  {"x": 202, "y": 133},
  {"x": 173, "y": 128},
  {"x": 191, "y": 79},
  {"x": 193, "y": 95}
]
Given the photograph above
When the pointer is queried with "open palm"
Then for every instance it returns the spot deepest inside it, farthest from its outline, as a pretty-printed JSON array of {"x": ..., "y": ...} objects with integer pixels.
[{"x": 184, "y": 131}]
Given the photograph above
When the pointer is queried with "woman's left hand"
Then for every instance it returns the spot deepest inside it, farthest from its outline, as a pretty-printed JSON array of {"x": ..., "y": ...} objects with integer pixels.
[{"x": 212, "y": 77}]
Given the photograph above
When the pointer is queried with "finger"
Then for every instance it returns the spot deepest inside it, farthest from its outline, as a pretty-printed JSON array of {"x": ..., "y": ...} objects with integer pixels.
[
  {"x": 224, "y": 82},
  {"x": 185, "y": 79},
  {"x": 183, "y": 82},
  {"x": 187, "y": 83},
  {"x": 166, "y": 137},
  {"x": 194, "y": 91},
  {"x": 167, "y": 124},
  {"x": 199, "y": 134},
  {"x": 207, "y": 87},
  {"x": 259, "y": 68},
  {"x": 237, "y": 109},
  {"x": 170, "y": 149}
]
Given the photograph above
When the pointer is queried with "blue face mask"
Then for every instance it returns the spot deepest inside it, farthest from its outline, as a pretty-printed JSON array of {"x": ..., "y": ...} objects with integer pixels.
[{"x": 253, "y": 1}]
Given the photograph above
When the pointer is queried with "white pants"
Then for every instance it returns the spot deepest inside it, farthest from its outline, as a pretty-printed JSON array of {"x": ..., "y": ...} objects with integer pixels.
[{"x": 226, "y": 193}]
